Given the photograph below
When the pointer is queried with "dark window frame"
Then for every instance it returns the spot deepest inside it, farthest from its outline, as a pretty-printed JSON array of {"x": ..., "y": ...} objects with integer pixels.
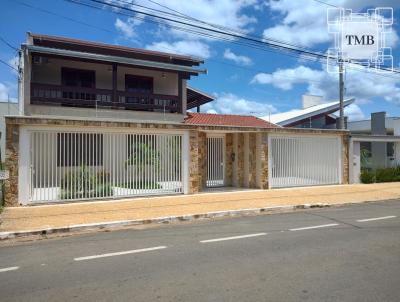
[
  {"x": 67, "y": 71},
  {"x": 131, "y": 78},
  {"x": 73, "y": 149}
]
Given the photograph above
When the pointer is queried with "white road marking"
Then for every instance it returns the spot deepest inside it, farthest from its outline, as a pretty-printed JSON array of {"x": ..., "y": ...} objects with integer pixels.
[
  {"x": 376, "y": 218},
  {"x": 233, "y": 237},
  {"x": 7, "y": 269},
  {"x": 315, "y": 227},
  {"x": 120, "y": 253}
]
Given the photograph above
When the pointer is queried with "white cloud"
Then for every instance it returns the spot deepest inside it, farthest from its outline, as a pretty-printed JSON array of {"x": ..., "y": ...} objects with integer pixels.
[
  {"x": 238, "y": 59},
  {"x": 222, "y": 12},
  {"x": 304, "y": 22},
  {"x": 228, "y": 103},
  {"x": 7, "y": 92},
  {"x": 360, "y": 84},
  {"x": 354, "y": 112},
  {"x": 14, "y": 62},
  {"x": 126, "y": 28},
  {"x": 184, "y": 47},
  {"x": 286, "y": 78}
]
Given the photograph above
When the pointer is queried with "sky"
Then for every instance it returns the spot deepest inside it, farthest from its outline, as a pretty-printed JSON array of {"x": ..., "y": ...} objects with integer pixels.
[{"x": 244, "y": 80}]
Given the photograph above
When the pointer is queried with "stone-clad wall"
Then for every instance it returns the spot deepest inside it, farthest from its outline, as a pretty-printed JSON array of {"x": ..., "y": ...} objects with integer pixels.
[
  {"x": 345, "y": 159},
  {"x": 202, "y": 160},
  {"x": 228, "y": 159},
  {"x": 198, "y": 161},
  {"x": 240, "y": 160},
  {"x": 252, "y": 160},
  {"x": 264, "y": 161},
  {"x": 11, "y": 164},
  {"x": 194, "y": 173}
]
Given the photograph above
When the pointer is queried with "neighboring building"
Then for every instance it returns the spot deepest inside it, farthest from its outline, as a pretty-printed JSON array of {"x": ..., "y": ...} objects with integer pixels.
[
  {"x": 379, "y": 139},
  {"x": 104, "y": 121},
  {"x": 314, "y": 114},
  {"x": 6, "y": 108}
]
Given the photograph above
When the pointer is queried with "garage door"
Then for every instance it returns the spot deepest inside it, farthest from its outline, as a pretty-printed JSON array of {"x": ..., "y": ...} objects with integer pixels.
[{"x": 304, "y": 161}]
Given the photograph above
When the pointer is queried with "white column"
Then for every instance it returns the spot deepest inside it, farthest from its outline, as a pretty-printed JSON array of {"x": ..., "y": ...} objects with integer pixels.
[
  {"x": 24, "y": 168},
  {"x": 396, "y": 131},
  {"x": 185, "y": 162},
  {"x": 355, "y": 162}
]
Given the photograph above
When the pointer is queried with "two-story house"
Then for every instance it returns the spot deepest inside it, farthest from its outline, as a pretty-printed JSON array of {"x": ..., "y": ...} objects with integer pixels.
[{"x": 103, "y": 121}]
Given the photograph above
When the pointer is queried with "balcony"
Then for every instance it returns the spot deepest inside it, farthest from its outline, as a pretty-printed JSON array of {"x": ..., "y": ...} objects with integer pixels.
[{"x": 44, "y": 94}]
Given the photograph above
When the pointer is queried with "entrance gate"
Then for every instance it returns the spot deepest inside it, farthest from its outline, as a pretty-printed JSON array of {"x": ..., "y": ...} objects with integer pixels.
[
  {"x": 304, "y": 160},
  {"x": 215, "y": 160}
]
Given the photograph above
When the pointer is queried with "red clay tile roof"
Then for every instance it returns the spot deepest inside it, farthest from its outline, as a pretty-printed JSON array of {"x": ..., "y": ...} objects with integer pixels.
[{"x": 212, "y": 119}]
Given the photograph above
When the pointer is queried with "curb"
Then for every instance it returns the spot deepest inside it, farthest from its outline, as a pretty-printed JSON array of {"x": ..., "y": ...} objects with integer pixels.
[{"x": 167, "y": 219}]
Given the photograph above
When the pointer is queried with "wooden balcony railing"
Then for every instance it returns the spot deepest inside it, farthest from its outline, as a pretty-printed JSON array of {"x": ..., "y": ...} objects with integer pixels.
[{"x": 44, "y": 94}]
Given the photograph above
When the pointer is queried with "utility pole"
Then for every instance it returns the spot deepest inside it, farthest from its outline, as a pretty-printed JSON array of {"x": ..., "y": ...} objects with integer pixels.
[{"x": 341, "y": 92}]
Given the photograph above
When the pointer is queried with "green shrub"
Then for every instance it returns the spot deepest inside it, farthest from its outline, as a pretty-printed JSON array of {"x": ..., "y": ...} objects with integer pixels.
[
  {"x": 380, "y": 175},
  {"x": 367, "y": 176},
  {"x": 385, "y": 175},
  {"x": 83, "y": 182}
]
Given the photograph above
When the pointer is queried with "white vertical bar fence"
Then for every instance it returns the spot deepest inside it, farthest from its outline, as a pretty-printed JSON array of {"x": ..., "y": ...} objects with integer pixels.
[
  {"x": 74, "y": 165},
  {"x": 304, "y": 160}
]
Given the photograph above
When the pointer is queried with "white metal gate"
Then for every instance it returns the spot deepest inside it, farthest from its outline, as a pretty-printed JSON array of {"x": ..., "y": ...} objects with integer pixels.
[
  {"x": 304, "y": 161},
  {"x": 215, "y": 161},
  {"x": 67, "y": 165}
]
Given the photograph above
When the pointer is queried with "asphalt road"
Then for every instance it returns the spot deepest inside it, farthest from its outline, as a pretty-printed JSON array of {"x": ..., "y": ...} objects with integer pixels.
[{"x": 338, "y": 254}]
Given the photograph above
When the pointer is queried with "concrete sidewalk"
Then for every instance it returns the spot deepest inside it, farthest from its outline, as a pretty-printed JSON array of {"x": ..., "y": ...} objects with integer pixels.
[{"x": 65, "y": 215}]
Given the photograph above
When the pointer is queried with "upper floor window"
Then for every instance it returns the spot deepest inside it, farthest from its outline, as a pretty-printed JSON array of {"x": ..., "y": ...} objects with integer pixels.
[
  {"x": 135, "y": 83},
  {"x": 78, "y": 77}
]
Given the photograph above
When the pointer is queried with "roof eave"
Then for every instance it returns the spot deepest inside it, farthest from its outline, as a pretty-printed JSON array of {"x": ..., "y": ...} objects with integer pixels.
[
  {"x": 113, "y": 59},
  {"x": 327, "y": 110}
]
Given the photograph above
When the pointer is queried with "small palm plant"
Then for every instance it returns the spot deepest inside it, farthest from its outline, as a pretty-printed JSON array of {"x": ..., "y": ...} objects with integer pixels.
[{"x": 365, "y": 156}]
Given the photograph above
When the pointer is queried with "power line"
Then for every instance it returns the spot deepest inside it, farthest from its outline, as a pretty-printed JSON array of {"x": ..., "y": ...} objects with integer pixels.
[
  {"x": 63, "y": 16},
  {"x": 8, "y": 44},
  {"x": 326, "y": 3},
  {"x": 167, "y": 48},
  {"x": 251, "y": 45},
  {"x": 265, "y": 42},
  {"x": 5, "y": 63},
  {"x": 170, "y": 49},
  {"x": 213, "y": 30}
]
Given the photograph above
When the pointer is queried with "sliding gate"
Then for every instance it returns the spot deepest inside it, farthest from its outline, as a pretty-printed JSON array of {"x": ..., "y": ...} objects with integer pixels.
[
  {"x": 304, "y": 160},
  {"x": 67, "y": 165}
]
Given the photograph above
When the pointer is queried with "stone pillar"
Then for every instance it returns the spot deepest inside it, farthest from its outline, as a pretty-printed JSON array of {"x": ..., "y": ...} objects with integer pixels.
[
  {"x": 228, "y": 159},
  {"x": 345, "y": 159},
  {"x": 252, "y": 160},
  {"x": 264, "y": 162},
  {"x": 11, "y": 164},
  {"x": 235, "y": 179},
  {"x": 194, "y": 181},
  {"x": 240, "y": 160},
  {"x": 203, "y": 160}
]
